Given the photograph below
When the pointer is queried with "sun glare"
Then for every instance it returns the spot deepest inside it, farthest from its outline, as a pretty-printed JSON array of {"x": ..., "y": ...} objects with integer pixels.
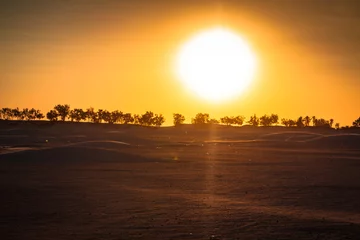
[{"x": 216, "y": 64}]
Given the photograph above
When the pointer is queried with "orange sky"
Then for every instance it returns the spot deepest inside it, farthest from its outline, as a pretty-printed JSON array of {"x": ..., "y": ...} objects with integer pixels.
[{"x": 118, "y": 55}]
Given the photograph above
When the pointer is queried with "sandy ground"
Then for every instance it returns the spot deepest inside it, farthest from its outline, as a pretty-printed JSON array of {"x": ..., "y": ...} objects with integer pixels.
[{"x": 84, "y": 181}]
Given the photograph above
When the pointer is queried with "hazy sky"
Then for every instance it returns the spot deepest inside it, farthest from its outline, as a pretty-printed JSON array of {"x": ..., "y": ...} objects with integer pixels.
[{"x": 120, "y": 54}]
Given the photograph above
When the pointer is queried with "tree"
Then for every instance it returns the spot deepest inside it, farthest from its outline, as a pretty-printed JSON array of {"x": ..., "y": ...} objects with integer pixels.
[
  {"x": 137, "y": 118},
  {"x": 238, "y": 120},
  {"x": 52, "y": 115},
  {"x": 99, "y": 116},
  {"x": 307, "y": 121},
  {"x": 39, "y": 115},
  {"x": 32, "y": 114},
  {"x": 146, "y": 119},
  {"x": 254, "y": 121},
  {"x": 16, "y": 113},
  {"x": 77, "y": 114},
  {"x": 106, "y": 116},
  {"x": 201, "y": 118},
  {"x": 91, "y": 115},
  {"x": 25, "y": 114},
  {"x": 213, "y": 121},
  {"x": 158, "y": 120},
  {"x": 227, "y": 120},
  {"x": 62, "y": 111},
  {"x": 356, "y": 123},
  {"x": 178, "y": 119},
  {"x": 300, "y": 122},
  {"x": 331, "y": 122},
  {"x": 337, "y": 125},
  {"x": 7, "y": 113},
  {"x": 288, "y": 122},
  {"x": 116, "y": 116},
  {"x": 127, "y": 118},
  {"x": 321, "y": 122},
  {"x": 314, "y": 120},
  {"x": 269, "y": 120},
  {"x": 285, "y": 122}
]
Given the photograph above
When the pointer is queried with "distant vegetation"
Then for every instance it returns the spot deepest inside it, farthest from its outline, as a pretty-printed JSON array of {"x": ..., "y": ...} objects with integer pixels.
[{"x": 65, "y": 113}]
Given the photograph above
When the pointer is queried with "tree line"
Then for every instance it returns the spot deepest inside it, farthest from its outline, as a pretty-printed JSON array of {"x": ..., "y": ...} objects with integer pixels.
[{"x": 65, "y": 113}]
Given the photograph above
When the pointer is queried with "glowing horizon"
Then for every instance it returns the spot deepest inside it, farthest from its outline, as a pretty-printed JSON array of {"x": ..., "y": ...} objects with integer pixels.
[{"x": 121, "y": 56}]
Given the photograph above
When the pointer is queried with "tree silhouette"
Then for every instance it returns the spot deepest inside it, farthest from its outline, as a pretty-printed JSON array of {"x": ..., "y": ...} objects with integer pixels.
[
  {"x": 227, "y": 120},
  {"x": 100, "y": 116},
  {"x": 269, "y": 120},
  {"x": 52, "y": 115},
  {"x": 16, "y": 113},
  {"x": 213, "y": 121},
  {"x": 116, "y": 116},
  {"x": 300, "y": 122},
  {"x": 307, "y": 121},
  {"x": 158, "y": 120},
  {"x": 25, "y": 114},
  {"x": 62, "y": 111},
  {"x": 254, "y": 121},
  {"x": 7, "y": 113},
  {"x": 106, "y": 116},
  {"x": 320, "y": 122},
  {"x": 150, "y": 119},
  {"x": 39, "y": 115},
  {"x": 201, "y": 118},
  {"x": 137, "y": 118},
  {"x": 146, "y": 119},
  {"x": 288, "y": 122},
  {"x": 91, "y": 115},
  {"x": 356, "y": 123},
  {"x": 314, "y": 120},
  {"x": 238, "y": 120},
  {"x": 178, "y": 119},
  {"x": 127, "y": 118},
  {"x": 77, "y": 114},
  {"x": 285, "y": 122},
  {"x": 33, "y": 113}
]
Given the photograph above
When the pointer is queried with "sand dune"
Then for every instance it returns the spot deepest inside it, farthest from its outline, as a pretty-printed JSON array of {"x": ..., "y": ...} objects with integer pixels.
[{"x": 140, "y": 183}]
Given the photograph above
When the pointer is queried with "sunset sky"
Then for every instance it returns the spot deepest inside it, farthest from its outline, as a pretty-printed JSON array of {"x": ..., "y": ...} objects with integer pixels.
[{"x": 120, "y": 55}]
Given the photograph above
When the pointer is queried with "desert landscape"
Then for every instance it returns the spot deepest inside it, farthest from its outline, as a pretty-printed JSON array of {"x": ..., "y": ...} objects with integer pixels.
[
  {"x": 102, "y": 181},
  {"x": 175, "y": 120}
]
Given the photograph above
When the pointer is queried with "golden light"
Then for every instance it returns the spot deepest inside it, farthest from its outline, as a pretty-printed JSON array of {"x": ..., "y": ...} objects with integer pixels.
[{"x": 216, "y": 64}]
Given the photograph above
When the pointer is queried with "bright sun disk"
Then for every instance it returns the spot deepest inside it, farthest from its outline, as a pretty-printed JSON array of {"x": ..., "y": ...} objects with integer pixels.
[{"x": 216, "y": 64}]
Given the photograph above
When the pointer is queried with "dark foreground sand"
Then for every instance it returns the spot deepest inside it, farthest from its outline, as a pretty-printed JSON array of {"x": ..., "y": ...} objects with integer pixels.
[{"x": 83, "y": 181}]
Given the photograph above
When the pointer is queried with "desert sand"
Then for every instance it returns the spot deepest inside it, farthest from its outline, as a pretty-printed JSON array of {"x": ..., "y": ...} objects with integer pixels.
[{"x": 100, "y": 181}]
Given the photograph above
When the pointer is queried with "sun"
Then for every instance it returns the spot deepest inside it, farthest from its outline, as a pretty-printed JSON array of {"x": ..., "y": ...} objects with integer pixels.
[{"x": 216, "y": 64}]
